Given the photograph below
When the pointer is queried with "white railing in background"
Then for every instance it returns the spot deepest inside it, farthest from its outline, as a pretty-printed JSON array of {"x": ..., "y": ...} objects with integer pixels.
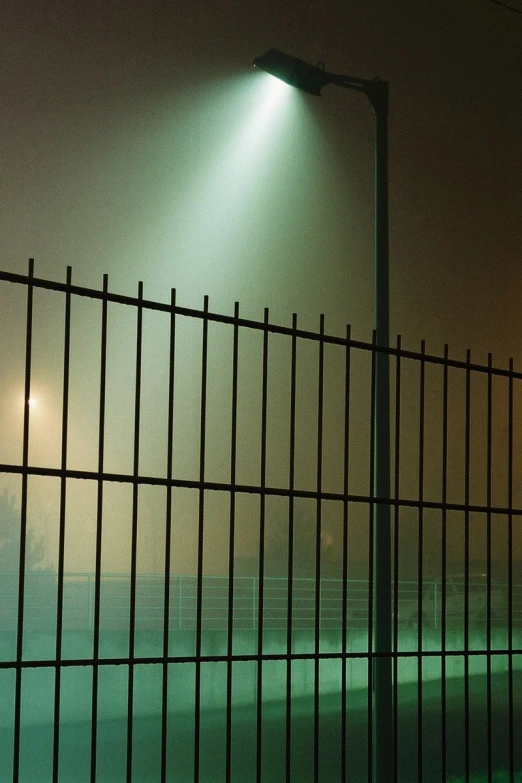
[{"x": 41, "y": 590}]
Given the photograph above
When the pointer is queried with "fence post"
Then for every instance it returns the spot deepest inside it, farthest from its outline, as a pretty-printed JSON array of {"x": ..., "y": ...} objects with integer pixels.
[
  {"x": 436, "y": 603},
  {"x": 90, "y": 601},
  {"x": 179, "y": 602},
  {"x": 253, "y": 603}
]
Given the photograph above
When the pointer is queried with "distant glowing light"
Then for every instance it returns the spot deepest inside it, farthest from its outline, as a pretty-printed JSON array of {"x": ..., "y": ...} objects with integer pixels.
[{"x": 32, "y": 402}]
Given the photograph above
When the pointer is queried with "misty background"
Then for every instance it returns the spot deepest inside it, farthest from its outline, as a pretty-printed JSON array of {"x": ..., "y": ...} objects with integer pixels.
[
  {"x": 140, "y": 142},
  {"x": 137, "y": 140}
]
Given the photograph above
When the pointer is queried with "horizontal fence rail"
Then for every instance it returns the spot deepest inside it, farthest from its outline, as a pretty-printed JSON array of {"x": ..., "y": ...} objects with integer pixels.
[{"x": 146, "y": 446}]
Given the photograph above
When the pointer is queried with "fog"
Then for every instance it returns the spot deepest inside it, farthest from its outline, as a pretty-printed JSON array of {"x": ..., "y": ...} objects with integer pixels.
[
  {"x": 487, "y": 486},
  {"x": 143, "y": 144}
]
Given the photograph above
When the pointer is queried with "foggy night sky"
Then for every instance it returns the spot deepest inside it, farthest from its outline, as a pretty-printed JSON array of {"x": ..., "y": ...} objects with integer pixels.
[
  {"x": 109, "y": 111},
  {"x": 129, "y": 147}
]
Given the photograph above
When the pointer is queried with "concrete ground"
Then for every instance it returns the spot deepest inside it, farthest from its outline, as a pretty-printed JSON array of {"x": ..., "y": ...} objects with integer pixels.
[{"x": 36, "y": 747}]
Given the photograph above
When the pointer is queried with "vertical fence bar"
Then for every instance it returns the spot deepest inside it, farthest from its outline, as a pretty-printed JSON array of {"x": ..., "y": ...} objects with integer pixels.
[
  {"x": 168, "y": 542},
  {"x": 61, "y": 534},
  {"x": 383, "y": 690},
  {"x": 318, "y": 531},
  {"x": 444, "y": 558},
  {"x": 381, "y": 488},
  {"x": 261, "y": 589},
  {"x": 180, "y": 602},
  {"x": 396, "y": 541},
  {"x": 201, "y": 520},
  {"x": 371, "y": 566},
  {"x": 346, "y": 517},
  {"x": 290, "y": 570},
  {"x": 466, "y": 569},
  {"x": 254, "y": 604},
  {"x": 420, "y": 564},
  {"x": 23, "y": 526},
  {"x": 231, "y": 549},
  {"x": 511, "y": 721},
  {"x": 488, "y": 569},
  {"x": 99, "y": 528},
  {"x": 90, "y": 606},
  {"x": 134, "y": 532},
  {"x": 435, "y": 604}
]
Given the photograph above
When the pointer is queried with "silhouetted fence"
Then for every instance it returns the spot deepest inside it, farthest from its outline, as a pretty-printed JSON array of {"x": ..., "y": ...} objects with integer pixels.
[{"x": 172, "y": 439}]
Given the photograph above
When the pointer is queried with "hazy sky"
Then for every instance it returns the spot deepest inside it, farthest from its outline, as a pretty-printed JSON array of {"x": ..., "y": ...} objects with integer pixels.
[
  {"x": 138, "y": 140},
  {"x": 125, "y": 129}
]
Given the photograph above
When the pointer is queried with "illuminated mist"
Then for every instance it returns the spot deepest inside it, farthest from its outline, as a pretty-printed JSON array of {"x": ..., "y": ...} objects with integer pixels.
[{"x": 249, "y": 216}]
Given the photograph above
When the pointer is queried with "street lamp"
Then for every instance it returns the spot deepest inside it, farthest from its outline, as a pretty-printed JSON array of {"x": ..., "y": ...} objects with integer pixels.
[{"x": 312, "y": 79}]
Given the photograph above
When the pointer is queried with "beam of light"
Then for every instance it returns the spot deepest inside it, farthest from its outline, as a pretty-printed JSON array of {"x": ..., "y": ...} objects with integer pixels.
[
  {"x": 252, "y": 138},
  {"x": 255, "y": 112},
  {"x": 240, "y": 128},
  {"x": 272, "y": 98}
]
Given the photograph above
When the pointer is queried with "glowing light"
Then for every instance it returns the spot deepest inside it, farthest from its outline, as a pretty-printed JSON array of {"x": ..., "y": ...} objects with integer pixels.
[
  {"x": 265, "y": 105},
  {"x": 32, "y": 402},
  {"x": 242, "y": 125},
  {"x": 277, "y": 86},
  {"x": 273, "y": 94}
]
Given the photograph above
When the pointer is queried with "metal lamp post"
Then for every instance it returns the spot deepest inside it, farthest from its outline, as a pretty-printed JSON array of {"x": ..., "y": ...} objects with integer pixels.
[{"x": 311, "y": 79}]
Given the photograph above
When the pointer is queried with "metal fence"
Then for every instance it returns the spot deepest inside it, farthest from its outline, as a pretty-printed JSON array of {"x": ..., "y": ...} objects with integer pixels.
[
  {"x": 79, "y": 590},
  {"x": 178, "y": 438}
]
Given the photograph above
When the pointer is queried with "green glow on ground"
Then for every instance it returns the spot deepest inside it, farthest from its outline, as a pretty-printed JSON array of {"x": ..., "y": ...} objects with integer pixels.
[{"x": 38, "y": 703}]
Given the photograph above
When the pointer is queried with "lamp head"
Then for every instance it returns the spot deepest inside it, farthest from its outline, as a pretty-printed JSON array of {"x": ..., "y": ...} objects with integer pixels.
[{"x": 293, "y": 71}]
